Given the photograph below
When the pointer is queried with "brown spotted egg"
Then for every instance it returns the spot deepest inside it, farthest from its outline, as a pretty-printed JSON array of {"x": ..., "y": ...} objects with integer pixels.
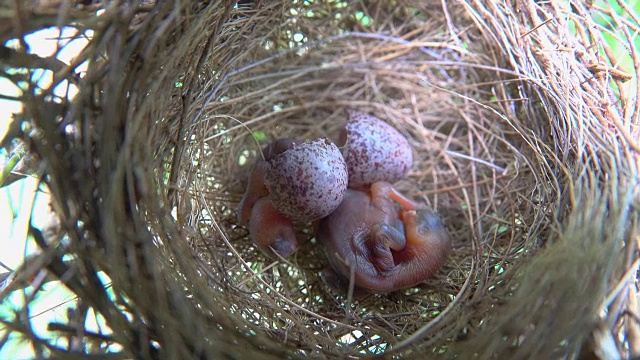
[
  {"x": 308, "y": 181},
  {"x": 374, "y": 151}
]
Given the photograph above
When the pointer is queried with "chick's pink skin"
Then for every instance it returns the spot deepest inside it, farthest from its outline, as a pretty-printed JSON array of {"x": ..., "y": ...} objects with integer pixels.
[
  {"x": 268, "y": 229},
  {"x": 256, "y": 188},
  {"x": 388, "y": 248}
]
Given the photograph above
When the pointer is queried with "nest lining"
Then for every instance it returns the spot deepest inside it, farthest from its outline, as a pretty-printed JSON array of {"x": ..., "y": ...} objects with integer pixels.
[{"x": 535, "y": 180}]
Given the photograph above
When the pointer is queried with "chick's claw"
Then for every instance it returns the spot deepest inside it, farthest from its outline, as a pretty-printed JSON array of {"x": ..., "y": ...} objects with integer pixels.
[{"x": 384, "y": 238}]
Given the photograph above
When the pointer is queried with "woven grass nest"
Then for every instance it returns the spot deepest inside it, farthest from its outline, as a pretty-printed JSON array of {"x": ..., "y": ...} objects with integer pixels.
[{"x": 525, "y": 138}]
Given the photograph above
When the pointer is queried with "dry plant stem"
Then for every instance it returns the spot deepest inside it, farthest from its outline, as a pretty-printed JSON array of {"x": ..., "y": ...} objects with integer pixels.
[
  {"x": 182, "y": 126},
  {"x": 633, "y": 324},
  {"x": 91, "y": 291},
  {"x": 480, "y": 161},
  {"x": 308, "y": 45},
  {"x": 627, "y": 279},
  {"x": 502, "y": 116},
  {"x": 632, "y": 120},
  {"x": 424, "y": 331},
  {"x": 267, "y": 285}
]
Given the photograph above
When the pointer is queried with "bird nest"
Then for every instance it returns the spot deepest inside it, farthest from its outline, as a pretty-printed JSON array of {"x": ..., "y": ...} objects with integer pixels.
[{"x": 524, "y": 129}]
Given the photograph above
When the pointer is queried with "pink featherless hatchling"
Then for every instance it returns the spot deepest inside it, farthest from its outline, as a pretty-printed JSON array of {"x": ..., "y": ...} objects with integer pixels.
[{"x": 295, "y": 182}]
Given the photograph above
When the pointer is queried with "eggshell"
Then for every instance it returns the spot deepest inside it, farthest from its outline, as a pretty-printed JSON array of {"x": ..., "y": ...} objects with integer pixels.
[
  {"x": 308, "y": 181},
  {"x": 374, "y": 151}
]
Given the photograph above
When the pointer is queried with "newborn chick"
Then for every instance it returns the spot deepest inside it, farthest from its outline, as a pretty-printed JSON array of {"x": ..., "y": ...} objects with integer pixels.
[
  {"x": 388, "y": 248},
  {"x": 268, "y": 229}
]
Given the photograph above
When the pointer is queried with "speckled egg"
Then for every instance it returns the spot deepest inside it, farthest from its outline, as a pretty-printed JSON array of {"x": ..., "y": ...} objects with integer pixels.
[
  {"x": 308, "y": 181},
  {"x": 374, "y": 151}
]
